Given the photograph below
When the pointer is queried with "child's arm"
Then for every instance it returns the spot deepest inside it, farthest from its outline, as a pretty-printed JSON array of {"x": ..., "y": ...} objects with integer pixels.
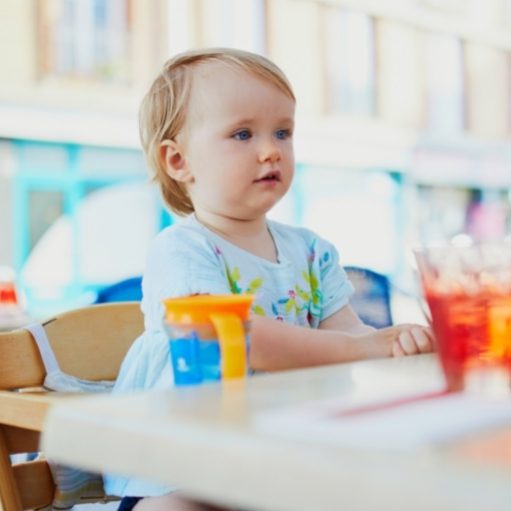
[
  {"x": 412, "y": 339},
  {"x": 276, "y": 345},
  {"x": 346, "y": 320}
]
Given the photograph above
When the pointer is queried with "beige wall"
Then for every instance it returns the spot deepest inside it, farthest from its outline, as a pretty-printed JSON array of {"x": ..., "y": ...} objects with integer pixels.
[
  {"x": 17, "y": 44},
  {"x": 400, "y": 82},
  {"x": 486, "y": 14},
  {"x": 488, "y": 91},
  {"x": 150, "y": 40},
  {"x": 295, "y": 44}
]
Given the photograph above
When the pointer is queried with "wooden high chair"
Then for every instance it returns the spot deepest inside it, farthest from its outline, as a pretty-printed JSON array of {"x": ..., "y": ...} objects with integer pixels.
[{"x": 88, "y": 343}]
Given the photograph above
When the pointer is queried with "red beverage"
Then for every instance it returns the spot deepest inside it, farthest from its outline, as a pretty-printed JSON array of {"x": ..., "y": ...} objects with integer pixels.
[
  {"x": 473, "y": 332},
  {"x": 7, "y": 294}
]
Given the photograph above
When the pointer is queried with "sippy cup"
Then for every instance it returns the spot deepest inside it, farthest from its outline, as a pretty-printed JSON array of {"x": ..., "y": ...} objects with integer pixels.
[{"x": 208, "y": 337}]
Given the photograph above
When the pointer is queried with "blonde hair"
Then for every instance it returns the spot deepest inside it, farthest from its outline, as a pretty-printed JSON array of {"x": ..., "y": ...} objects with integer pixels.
[{"x": 164, "y": 108}]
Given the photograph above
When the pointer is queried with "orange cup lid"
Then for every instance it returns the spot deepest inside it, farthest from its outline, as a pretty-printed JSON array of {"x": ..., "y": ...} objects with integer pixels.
[{"x": 197, "y": 308}]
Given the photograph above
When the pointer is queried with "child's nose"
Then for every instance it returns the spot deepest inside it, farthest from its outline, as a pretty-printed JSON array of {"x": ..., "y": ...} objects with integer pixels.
[{"x": 269, "y": 151}]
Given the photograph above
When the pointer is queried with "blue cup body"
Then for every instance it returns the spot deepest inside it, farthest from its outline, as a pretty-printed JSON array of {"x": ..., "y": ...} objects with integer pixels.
[{"x": 195, "y": 359}]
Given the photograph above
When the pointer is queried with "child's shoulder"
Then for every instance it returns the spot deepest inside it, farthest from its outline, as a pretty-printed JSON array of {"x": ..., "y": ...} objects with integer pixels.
[
  {"x": 294, "y": 234},
  {"x": 186, "y": 232}
]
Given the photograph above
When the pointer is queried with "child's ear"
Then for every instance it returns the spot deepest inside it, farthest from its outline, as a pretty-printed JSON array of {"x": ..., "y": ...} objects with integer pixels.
[{"x": 172, "y": 156}]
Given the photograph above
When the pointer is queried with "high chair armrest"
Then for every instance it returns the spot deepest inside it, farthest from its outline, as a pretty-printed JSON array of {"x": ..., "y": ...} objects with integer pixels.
[{"x": 24, "y": 410}]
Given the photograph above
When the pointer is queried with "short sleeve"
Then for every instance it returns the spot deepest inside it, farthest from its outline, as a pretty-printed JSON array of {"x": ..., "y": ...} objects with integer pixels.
[
  {"x": 336, "y": 287},
  {"x": 179, "y": 264}
]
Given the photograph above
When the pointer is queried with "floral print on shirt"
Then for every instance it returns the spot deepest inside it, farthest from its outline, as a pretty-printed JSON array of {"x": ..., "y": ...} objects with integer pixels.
[{"x": 305, "y": 298}]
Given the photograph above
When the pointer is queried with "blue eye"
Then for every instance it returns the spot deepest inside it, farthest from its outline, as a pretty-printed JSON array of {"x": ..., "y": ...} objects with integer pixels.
[
  {"x": 283, "y": 134},
  {"x": 242, "y": 135}
]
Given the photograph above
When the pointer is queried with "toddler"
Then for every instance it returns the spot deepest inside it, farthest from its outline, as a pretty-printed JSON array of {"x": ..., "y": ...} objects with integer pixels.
[{"x": 217, "y": 129}]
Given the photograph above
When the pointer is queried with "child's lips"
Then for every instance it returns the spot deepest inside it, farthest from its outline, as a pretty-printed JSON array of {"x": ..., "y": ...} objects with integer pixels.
[{"x": 272, "y": 176}]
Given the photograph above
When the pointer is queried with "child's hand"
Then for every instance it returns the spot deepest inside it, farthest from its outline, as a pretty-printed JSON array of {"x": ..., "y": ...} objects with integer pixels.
[
  {"x": 397, "y": 341},
  {"x": 412, "y": 339}
]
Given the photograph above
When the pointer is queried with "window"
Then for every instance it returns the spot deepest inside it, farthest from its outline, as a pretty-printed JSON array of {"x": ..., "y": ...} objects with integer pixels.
[
  {"x": 44, "y": 207},
  {"x": 51, "y": 180},
  {"x": 444, "y": 84},
  {"x": 82, "y": 217},
  {"x": 350, "y": 62},
  {"x": 84, "y": 39}
]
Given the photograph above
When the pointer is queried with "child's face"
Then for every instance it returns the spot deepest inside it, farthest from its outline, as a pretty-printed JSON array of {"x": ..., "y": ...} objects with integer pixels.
[{"x": 237, "y": 144}]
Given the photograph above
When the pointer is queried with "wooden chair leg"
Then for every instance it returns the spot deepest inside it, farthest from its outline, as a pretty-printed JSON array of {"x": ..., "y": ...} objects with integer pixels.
[{"x": 9, "y": 496}]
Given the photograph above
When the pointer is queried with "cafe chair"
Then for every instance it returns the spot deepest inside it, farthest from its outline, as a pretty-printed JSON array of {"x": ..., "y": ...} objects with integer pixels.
[
  {"x": 87, "y": 347},
  {"x": 126, "y": 290},
  {"x": 371, "y": 300}
]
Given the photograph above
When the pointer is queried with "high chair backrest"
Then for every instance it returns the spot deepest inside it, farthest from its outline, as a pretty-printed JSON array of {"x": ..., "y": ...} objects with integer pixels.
[
  {"x": 371, "y": 300},
  {"x": 89, "y": 343},
  {"x": 123, "y": 291}
]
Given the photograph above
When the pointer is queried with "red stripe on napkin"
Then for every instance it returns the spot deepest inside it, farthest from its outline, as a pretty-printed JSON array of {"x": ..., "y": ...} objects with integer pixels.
[{"x": 386, "y": 405}]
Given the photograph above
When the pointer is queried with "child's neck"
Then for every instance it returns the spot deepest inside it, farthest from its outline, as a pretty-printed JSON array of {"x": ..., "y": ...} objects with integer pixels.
[{"x": 250, "y": 235}]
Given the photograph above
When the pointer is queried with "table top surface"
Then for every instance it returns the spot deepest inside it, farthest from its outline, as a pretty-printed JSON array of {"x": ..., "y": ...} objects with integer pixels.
[{"x": 208, "y": 440}]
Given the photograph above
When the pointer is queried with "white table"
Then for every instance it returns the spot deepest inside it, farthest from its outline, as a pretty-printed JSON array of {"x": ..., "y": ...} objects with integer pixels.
[{"x": 205, "y": 440}]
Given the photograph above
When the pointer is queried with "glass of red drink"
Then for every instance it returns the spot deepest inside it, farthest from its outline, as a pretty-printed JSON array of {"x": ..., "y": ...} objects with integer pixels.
[{"x": 468, "y": 290}]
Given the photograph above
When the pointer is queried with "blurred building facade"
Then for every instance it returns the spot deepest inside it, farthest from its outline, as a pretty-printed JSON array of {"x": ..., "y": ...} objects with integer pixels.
[{"x": 404, "y": 116}]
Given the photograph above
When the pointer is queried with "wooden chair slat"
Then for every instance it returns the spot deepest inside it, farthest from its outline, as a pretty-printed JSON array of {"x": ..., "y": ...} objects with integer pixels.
[
  {"x": 35, "y": 483},
  {"x": 100, "y": 336},
  {"x": 21, "y": 440},
  {"x": 21, "y": 363},
  {"x": 10, "y": 498},
  {"x": 24, "y": 410}
]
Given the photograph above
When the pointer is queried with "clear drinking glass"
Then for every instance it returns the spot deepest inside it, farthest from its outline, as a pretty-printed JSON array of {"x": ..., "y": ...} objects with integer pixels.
[{"x": 468, "y": 290}]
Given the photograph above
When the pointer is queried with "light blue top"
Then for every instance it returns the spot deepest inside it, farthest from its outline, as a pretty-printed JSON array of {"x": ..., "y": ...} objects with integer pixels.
[{"x": 304, "y": 287}]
